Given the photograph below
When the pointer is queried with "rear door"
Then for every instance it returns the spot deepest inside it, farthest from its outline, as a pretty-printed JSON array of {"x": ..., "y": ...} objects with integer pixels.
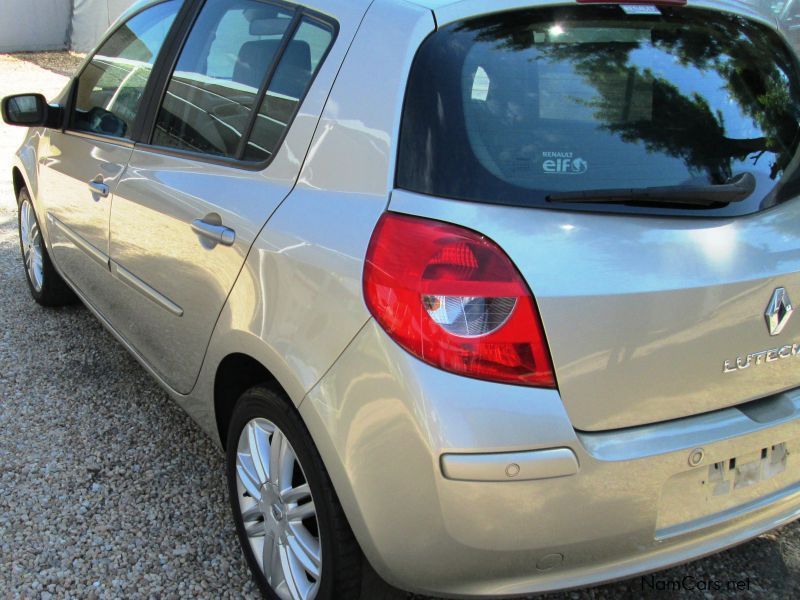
[
  {"x": 595, "y": 145},
  {"x": 81, "y": 166},
  {"x": 228, "y": 138}
]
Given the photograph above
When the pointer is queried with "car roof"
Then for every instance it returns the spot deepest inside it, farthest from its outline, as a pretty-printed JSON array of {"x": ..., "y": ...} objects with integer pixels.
[
  {"x": 430, "y": 4},
  {"x": 447, "y": 11},
  {"x": 487, "y": 5}
]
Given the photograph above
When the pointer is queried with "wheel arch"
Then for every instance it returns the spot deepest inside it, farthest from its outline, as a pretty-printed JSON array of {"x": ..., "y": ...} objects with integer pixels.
[
  {"x": 18, "y": 180},
  {"x": 24, "y": 171},
  {"x": 235, "y": 374}
]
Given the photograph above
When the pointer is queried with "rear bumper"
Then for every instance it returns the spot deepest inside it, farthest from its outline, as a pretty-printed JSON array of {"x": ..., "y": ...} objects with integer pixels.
[{"x": 389, "y": 427}]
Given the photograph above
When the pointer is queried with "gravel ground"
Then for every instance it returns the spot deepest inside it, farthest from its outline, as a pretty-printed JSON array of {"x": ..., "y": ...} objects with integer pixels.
[
  {"x": 61, "y": 63},
  {"x": 108, "y": 490}
]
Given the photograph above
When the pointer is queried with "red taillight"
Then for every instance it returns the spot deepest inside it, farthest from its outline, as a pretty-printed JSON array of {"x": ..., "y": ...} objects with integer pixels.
[{"x": 452, "y": 297}]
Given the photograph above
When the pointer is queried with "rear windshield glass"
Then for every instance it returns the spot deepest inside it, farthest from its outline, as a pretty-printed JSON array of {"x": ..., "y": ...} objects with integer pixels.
[{"x": 517, "y": 107}]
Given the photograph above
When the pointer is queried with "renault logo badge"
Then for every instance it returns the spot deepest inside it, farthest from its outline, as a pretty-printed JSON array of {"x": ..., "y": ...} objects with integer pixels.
[{"x": 779, "y": 311}]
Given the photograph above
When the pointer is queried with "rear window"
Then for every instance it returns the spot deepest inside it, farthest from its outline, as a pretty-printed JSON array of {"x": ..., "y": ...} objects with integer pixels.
[{"x": 517, "y": 107}]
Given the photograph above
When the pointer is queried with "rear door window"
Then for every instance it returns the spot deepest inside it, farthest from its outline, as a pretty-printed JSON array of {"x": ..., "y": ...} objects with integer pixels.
[
  {"x": 215, "y": 86},
  {"x": 569, "y": 99}
]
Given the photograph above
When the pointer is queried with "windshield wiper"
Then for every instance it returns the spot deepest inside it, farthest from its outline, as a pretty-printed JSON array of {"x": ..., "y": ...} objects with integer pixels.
[{"x": 736, "y": 189}]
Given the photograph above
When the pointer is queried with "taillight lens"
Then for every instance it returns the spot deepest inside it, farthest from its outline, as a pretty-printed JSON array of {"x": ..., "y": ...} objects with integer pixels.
[{"x": 451, "y": 297}]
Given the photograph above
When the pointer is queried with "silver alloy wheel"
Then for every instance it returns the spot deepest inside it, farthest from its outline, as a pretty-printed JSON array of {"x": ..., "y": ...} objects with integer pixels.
[
  {"x": 32, "y": 245},
  {"x": 278, "y": 511}
]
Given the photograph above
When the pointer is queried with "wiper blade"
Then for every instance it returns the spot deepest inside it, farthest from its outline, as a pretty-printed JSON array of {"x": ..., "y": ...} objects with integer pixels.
[{"x": 735, "y": 190}]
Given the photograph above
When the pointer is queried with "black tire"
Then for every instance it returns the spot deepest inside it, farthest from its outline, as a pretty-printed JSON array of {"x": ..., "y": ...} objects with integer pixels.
[
  {"x": 54, "y": 290},
  {"x": 340, "y": 577}
]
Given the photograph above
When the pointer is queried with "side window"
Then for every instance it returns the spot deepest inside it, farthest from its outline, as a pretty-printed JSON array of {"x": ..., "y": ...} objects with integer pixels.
[
  {"x": 292, "y": 78},
  {"x": 214, "y": 89},
  {"x": 110, "y": 88}
]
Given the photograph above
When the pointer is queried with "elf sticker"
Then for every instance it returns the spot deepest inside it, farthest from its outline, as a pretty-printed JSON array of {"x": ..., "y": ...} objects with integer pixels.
[{"x": 563, "y": 163}]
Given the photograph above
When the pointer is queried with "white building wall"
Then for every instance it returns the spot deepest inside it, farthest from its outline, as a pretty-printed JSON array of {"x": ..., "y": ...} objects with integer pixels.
[
  {"x": 34, "y": 24},
  {"x": 91, "y": 19}
]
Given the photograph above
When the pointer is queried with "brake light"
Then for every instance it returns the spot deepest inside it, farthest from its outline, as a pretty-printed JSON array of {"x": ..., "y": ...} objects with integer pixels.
[{"x": 452, "y": 298}]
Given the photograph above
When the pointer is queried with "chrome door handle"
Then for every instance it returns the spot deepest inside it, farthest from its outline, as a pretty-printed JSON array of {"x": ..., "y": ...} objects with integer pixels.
[
  {"x": 218, "y": 234},
  {"x": 99, "y": 188}
]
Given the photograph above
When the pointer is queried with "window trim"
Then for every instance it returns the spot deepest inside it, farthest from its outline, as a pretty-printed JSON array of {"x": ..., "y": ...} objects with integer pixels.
[
  {"x": 100, "y": 138},
  {"x": 156, "y": 99},
  {"x": 184, "y": 21},
  {"x": 128, "y": 141},
  {"x": 290, "y": 32}
]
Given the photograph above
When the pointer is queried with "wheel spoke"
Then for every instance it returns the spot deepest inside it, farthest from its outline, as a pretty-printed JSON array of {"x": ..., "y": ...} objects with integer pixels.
[
  {"x": 247, "y": 475},
  {"x": 306, "y": 551},
  {"x": 252, "y": 514},
  {"x": 288, "y": 460},
  {"x": 23, "y": 233},
  {"x": 303, "y": 511},
  {"x": 282, "y": 590},
  {"x": 30, "y": 221},
  {"x": 34, "y": 233},
  {"x": 276, "y": 450},
  {"x": 259, "y": 450},
  {"x": 295, "y": 494},
  {"x": 23, "y": 218},
  {"x": 31, "y": 242},
  {"x": 270, "y": 561},
  {"x": 295, "y": 574},
  {"x": 255, "y": 529}
]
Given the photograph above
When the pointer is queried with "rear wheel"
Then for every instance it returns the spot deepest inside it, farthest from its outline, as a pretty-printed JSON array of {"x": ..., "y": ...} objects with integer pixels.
[
  {"x": 291, "y": 527},
  {"x": 46, "y": 285}
]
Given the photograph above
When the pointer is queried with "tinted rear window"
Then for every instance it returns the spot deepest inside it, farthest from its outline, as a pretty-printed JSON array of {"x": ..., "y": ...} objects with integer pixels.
[{"x": 515, "y": 107}]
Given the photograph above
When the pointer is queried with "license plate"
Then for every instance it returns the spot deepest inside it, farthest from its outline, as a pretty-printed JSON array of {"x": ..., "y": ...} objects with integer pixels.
[{"x": 696, "y": 497}]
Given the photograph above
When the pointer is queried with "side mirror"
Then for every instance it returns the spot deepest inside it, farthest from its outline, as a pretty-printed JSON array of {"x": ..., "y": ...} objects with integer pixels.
[{"x": 31, "y": 110}]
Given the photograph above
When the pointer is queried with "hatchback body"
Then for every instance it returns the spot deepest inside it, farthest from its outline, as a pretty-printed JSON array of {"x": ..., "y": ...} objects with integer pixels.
[{"x": 498, "y": 294}]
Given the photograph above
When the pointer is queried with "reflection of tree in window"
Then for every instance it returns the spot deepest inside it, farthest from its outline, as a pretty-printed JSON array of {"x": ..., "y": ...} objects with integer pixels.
[{"x": 758, "y": 73}]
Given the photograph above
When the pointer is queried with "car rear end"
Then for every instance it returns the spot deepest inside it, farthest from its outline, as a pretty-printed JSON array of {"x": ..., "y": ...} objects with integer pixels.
[{"x": 582, "y": 362}]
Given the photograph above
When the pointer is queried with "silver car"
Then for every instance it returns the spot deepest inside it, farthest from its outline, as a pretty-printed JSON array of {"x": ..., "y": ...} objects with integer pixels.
[{"x": 496, "y": 296}]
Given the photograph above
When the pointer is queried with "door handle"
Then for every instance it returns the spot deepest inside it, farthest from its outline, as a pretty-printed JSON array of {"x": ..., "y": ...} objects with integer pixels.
[
  {"x": 219, "y": 234},
  {"x": 99, "y": 188}
]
